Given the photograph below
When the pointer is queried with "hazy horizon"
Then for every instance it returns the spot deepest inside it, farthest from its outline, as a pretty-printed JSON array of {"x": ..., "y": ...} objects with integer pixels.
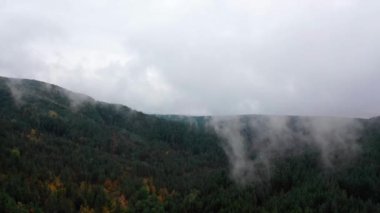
[{"x": 220, "y": 116}]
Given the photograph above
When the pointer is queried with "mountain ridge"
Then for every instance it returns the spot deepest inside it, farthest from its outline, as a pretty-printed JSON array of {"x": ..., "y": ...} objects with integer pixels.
[
  {"x": 47, "y": 85},
  {"x": 56, "y": 156}
]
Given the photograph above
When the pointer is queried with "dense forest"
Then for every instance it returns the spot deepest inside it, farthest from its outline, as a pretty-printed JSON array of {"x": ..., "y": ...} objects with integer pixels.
[{"x": 65, "y": 152}]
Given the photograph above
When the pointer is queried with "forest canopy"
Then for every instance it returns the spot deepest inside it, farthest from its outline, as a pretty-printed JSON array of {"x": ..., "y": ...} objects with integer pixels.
[{"x": 65, "y": 152}]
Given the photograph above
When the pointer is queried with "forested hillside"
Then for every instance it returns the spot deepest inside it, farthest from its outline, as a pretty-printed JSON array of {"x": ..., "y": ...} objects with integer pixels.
[{"x": 65, "y": 152}]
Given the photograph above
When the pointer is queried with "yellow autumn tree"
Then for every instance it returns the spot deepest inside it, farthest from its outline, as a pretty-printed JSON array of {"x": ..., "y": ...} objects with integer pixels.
[
  {"x": 86, "y": 209},
  {"x": 56, "y": 184},
  {"x": 33, "y": 135},
  {"x": 53, "y": 114}
]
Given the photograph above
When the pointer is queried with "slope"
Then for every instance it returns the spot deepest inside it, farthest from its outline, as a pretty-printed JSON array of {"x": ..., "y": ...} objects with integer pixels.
[{"x": 65, "y": 152}]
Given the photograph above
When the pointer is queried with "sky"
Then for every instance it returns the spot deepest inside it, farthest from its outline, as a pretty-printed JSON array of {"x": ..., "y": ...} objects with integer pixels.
[{"x": 202, "y": 57}]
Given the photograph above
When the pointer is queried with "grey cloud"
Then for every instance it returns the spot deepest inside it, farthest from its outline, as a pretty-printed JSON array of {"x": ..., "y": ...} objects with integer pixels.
[
  {"x": 18, "y": 58},
  {"x": 202, "y": 57}
]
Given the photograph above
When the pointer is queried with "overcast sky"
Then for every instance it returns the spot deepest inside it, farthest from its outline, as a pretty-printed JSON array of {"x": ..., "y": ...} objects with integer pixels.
[{"x": 300, "y": 57}]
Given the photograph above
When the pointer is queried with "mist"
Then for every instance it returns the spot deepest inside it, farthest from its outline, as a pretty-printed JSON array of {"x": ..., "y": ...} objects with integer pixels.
[
  {"x": 254, "y": 143},
  {"x": 20, "y": 91}
]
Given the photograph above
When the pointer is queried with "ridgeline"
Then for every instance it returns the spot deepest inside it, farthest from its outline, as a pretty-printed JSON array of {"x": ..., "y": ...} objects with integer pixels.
[{"x": 65, "y": 152}]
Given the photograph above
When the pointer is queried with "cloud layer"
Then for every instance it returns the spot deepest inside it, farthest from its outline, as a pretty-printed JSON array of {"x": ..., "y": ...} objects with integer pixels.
[{"x": 201, "y": 57}]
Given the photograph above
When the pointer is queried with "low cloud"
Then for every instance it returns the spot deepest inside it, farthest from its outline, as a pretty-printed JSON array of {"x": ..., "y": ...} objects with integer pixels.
[
  {"x": 254, "y": 143},
  {"x": 21, "y": 90},
  {"x": 16, "y": 88}
]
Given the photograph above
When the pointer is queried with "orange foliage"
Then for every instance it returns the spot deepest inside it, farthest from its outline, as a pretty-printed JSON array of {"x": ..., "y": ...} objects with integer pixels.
[
  {"x": 123, "y": 201},
  {"x": 148, "y": 184},
  {"x": 111, "y": 186},
  {"x": 55, "y": 185},
  {"x": 105, "y": 210},
  {"x": 86, "y": 209},
  {"x": 162, "y": 194}
]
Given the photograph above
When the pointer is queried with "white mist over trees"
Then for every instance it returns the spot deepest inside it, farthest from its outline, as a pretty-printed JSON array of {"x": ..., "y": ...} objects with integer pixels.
[{"x": 253, "y": 143}]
